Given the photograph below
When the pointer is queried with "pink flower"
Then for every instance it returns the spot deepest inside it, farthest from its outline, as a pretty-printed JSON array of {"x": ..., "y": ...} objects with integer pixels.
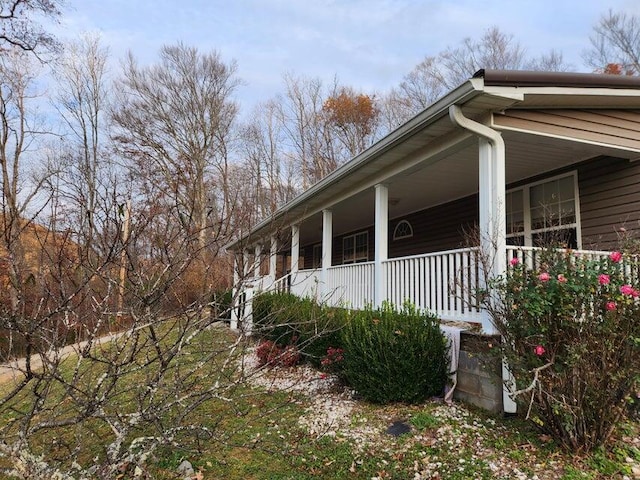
[
  {"x": 562, "y": 278},
  {"x": 544, "y": 277},
  {"x": 514, "y": 261},
  {"x": 604, "y": 279},
  {"x": 627, "y": 290},
  {"x": 539, "y": 350},
  {"x": 615, "y": 257},
  {"x": 611, "y": 306},
  {"x": 323, "y": 376}
]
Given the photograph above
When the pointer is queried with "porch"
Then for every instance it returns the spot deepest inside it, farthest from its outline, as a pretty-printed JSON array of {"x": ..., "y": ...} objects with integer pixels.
[
  {"x": 446, "y": 283},
  {"x": 503, "y": 154}
]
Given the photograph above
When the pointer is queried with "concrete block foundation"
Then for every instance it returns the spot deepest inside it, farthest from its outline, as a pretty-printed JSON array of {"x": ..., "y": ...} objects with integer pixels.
[{"x": 479, "y": 372}]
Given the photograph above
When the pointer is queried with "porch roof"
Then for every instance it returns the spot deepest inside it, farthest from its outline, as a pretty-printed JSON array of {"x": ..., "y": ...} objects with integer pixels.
[{"x": 431, "y": 134}]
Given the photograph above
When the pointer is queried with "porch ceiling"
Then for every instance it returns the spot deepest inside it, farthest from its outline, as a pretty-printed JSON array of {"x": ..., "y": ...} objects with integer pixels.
[{"x": 455, "y": 176}]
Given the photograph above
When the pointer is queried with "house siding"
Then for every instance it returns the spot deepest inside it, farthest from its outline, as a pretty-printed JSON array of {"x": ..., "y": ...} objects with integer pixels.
[
  {"x": 609, "y": 199},
  {"x": 443, "y": 227}
]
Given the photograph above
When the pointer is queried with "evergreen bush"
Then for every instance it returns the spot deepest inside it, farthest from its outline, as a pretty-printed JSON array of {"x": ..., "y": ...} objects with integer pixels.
[{"x": 395, "y": 356}]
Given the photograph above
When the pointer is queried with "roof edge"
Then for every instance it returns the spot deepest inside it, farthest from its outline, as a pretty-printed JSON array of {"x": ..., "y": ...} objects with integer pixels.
[{"x": 527, "y": 78}]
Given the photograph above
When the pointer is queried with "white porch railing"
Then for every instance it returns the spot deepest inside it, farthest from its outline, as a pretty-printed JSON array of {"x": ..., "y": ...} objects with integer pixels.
[
  {"x": 306, "y": 283},
  {"x": 350, "y": 285},
  {"x": 530, "y": 256},
  {"x": 442, "y": 282}
]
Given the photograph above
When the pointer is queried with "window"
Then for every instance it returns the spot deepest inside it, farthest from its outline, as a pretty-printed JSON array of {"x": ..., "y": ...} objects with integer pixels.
[
  {"x": 403, "y": 230},
  {"x": 544, "y": 211},
  {"x": 316, "y": 261},
  {"x": 355, "y": 248}
]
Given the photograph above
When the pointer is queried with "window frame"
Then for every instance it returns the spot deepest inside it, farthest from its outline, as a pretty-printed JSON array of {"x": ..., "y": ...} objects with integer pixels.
[
  {"x": 528, "y": 232},
  {"x": 354, "y": 257},
  {"x": 395, "y": 230}
]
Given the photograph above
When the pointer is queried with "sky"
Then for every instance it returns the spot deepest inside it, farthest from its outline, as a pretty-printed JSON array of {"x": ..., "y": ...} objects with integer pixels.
[{"x": 367, "y": 44}]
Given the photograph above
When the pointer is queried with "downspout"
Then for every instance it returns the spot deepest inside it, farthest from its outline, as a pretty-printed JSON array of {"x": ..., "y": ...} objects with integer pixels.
[
  {"x": 492, "y": 171},
  {"x": 494, "y": 137}
]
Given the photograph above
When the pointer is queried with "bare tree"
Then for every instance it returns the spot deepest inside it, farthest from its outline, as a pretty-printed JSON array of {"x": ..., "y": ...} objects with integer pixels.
[
  {"x": 19, "y": 27},
  {"x": 143, "y": 262},
  {"x": 18, "y": 133},
  {"x": 615, "y": 41},
  {"x": 436, "y": 75},
  {"x": 271, "y": 173},
  {"x": 82, "y": 103},
  {"x": 300, "y": 114},
  {"x": 175, "y": 122}
]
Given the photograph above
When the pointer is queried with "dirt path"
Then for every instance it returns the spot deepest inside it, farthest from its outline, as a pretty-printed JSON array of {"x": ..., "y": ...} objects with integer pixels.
[{"x": 14, "y": 370}]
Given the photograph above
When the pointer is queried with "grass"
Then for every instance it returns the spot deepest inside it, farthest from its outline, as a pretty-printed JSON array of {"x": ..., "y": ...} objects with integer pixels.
[{"x": 258, "y": 435}]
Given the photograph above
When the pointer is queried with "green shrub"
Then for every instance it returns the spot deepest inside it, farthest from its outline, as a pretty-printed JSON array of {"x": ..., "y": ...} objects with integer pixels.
[
  {"x": 221, "y": 304},
  {"x": 286, "y": 319},
  {"x": 571, "y": 330},
  {"x": 323, "y": 333},
  {"x": 394, "y": 356},
  {"x": 277, "y": 317}
]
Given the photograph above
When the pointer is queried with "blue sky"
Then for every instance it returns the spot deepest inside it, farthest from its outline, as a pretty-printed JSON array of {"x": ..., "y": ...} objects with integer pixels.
[{"x": 367, "y": 44}]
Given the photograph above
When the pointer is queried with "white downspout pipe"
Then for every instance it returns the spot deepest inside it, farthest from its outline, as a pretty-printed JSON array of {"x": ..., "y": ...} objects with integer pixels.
[{"x": 492, "y": 216}]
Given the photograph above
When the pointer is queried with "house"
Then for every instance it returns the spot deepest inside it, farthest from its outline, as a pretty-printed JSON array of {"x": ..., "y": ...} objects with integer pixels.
[{"x": 517, "y": 156}]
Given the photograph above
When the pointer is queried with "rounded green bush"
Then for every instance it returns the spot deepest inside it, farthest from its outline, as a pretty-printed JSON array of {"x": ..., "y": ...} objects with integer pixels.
[{"x": 394, "y": 356}]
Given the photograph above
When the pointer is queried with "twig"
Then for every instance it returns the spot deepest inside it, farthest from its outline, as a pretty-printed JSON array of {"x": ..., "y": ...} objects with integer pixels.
[{"x": 532, "y": 385}]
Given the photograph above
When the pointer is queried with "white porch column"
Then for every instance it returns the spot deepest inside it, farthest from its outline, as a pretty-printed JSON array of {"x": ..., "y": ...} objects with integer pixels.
[
  {"x": 327, "y": 244},
  {"x": 295, "y": 250},
  {"x": 492, "y": 221},
  {"x": 491, "y": 217},
  {"x": 235, "y": 294},
  {"x": 245, "y": 264},
  {"x": 381, "y": 243},
  {"x": 493, "y": 239},
  {"x": 273, "y": 257},
  {"x": 257, "y": 261}
]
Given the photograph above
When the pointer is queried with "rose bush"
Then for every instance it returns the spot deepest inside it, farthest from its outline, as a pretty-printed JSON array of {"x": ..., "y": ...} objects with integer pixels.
[{"x": 571, "y": 338}]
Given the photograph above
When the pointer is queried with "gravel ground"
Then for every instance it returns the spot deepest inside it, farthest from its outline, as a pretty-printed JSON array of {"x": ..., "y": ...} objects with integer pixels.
[{"x": 334, "y": 412}]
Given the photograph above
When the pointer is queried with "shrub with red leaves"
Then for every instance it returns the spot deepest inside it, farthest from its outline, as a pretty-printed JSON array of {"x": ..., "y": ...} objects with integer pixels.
[{"x": 271, "y": 354}]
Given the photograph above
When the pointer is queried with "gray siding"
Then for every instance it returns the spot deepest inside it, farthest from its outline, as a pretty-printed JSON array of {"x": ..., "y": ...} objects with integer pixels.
[
  {"x": 609, "y": 199},
  {"x": 439, "y": 228}
]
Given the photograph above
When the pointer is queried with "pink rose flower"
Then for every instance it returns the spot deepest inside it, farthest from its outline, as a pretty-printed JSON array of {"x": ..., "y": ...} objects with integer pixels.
[
  {"x": 514, "y": 261},
  {"x": 627, "y": 290},
  {"x": 615, "y": 257},
  {"x": 611, "y": 306},
  {"x": 539, "y": 350},
  {"x": 544, "y": 277},
  {"x": 562, "y": 278},
  {"x": 604, "y": 279}
]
